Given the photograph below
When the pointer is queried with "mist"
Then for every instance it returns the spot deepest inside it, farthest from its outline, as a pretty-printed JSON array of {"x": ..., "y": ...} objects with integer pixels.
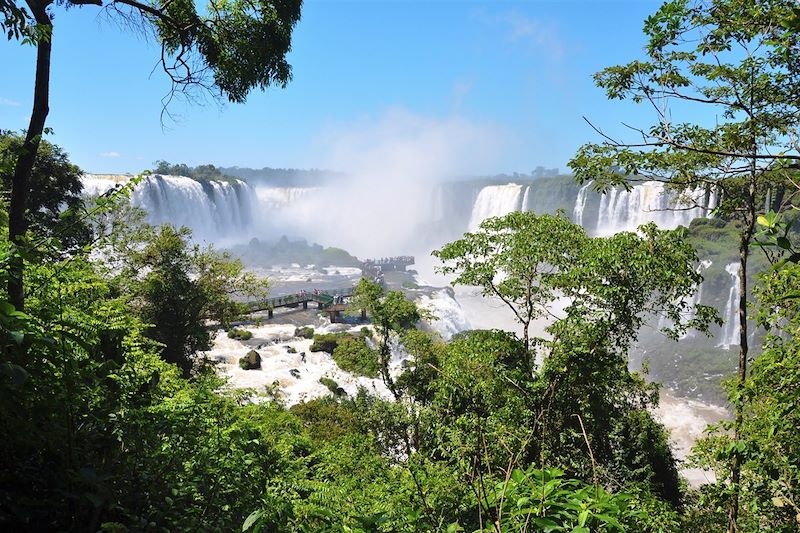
[{"x": 385, "y": 203}]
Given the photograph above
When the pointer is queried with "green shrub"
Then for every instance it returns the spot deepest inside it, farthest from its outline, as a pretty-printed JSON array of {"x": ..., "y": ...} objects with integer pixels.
[
  {"x": 326, "y": 342},
  {"x": 239, "y": 334},
  {"x": 332, "y": 386},
  {"x": 306, "y": 332},
  {"x": 353, "y": 355}
]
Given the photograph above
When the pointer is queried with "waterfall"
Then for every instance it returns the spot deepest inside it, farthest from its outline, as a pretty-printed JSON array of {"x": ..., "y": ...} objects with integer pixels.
[
  {"x": 524, "y": 205},
  {"x": 448, "y": 316},
  {"x": 213, "y": 210},
  {"x": 495, "y": 201},
  {"x": 580, "y": 203},
  {"x": 277, "y": 197},
  {"x": 97, "y": 184},
  {"x": 730, "y": 328},
  {"x": 622, "y": 210}
]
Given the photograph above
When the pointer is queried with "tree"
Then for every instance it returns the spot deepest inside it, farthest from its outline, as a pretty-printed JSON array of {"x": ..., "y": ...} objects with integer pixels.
[
  {"x": 176, "y": 287},
  {"x": 55, "y": 198},
  {"x": 514, "y": 258},
  {"x": 229, "y": 48},
  {"x": 736, "y": 63},
  {"x": 581, "y": 395},
  {"x": 392, "y": 313}
]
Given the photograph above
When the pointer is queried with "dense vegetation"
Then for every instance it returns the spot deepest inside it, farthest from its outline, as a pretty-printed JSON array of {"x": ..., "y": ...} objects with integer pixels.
[
  {"x": 285, "y": 252},
  {"x": 200, "y": 172}
]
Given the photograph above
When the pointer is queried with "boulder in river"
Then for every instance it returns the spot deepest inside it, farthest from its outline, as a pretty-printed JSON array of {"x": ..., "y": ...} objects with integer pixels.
[{"x": 251, "y": 361}]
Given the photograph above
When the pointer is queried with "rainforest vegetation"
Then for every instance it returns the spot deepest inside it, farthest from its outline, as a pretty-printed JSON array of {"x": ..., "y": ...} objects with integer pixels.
[{"x": 112, "y": 420}]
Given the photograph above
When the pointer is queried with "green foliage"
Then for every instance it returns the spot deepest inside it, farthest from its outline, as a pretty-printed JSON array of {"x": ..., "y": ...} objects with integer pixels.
[
  {"x": 55, "y": 200},
  {"x": 200, "y": 172},
  {"x": 392, "y": 314},
  {"x": 542, "y": 500},
  {"x": 240, "y": 334},
  {"x": 769, "y": 442},
  {"x": 305, "y": 332},
  {"x": 175, "y": 287},
  {"x": 285, "y": 252},
  {"x": 326, "y": 342},
  {"x": 332, "y": 386},
  {"x": 352, "y": 354}
]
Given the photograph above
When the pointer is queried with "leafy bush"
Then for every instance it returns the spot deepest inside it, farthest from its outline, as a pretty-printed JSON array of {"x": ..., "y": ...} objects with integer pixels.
[
  {"x": 353, "y": 355},
  {"x": 306, "y": 332},
  {"x": 326, "y": 342},
  {"x": 240, "y": 334},
  {"x": 332, "y": 386}
]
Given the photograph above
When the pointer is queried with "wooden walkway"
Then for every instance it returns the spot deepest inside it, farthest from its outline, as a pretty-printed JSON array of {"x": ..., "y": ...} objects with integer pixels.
[
  {"x": 332, "y": 301},
  {"x": 323, "y": 299}
]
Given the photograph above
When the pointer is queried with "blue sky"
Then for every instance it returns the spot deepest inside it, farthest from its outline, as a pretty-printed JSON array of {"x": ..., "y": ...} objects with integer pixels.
[{"x": 516, "y": 75}]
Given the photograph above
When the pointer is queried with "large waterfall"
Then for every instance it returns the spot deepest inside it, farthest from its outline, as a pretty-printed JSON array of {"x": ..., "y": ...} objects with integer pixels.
[
  {"x": 580, "y": 203},
  {"x": 495, "y": 201},
  {"x": 622, "y": 210},
  {"x": 730, "y": 327},
  {"x": 213, "y": 210}
]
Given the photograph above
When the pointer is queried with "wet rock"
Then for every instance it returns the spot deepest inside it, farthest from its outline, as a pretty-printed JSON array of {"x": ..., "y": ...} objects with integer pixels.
[{"x": 251, "y": 361}]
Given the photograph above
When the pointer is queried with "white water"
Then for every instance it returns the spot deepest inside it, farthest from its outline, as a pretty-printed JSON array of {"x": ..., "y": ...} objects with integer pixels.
[
  {"x": 448, "y": 316},
  {"x": 495, "y": 201},
  {"x": 687, "y": 421},
  {"x": 216, "y": 211},
  {"x": 622, "y": 210},
  {"x": 580, "y": 203},
  {"x": 524, "y": 205},
  {"x": 273, "y": 342},
  {"x": 730, "y": 327}
]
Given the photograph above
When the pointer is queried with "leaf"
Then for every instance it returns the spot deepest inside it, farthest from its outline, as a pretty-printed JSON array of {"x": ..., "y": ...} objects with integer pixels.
[{"x": 254, "y": 517}]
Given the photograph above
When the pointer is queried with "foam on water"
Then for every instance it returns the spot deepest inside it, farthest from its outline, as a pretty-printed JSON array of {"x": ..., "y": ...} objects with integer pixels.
[
  {"x": 449, "y": 316},
  {"x": 272, "y": 342},
  {"x": 687, "y": 421}
]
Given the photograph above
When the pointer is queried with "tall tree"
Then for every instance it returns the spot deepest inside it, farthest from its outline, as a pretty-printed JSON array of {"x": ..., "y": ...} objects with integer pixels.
[
  {"x": 55, "y": 187},
  {"x": 734, "y": 63},
  {"x": 228, "y": 48}
]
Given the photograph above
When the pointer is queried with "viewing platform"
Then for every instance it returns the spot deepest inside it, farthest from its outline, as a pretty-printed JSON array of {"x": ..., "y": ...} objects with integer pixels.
[{"x": 324, "y": 300}]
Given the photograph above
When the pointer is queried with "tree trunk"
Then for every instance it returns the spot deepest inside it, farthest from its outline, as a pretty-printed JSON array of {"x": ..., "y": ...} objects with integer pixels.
[
  {"x": 20, "y": 184},
  {"x": 744, "y": 251},
  {"x": 733, "y": 512}
]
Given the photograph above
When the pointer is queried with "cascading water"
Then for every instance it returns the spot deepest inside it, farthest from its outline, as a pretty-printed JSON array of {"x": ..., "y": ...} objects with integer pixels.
[
  {"x": 580, "y": 204},
  {"x": 524, "y": 205},
  {"x": 622, "y": 210},
  {"x": 730, "y": 328},
  {"x": 278, "y": 197},
  {"x": 213, "y": 210},
  {"x": 495, "y": 201}
]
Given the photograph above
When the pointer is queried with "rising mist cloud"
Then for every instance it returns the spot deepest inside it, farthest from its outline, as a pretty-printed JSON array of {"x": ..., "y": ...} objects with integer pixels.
[{"x": 393, "y": 165}]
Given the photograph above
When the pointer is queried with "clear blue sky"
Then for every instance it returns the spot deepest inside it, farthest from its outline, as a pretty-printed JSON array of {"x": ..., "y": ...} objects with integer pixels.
[{"x": 520, "y": 71}]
